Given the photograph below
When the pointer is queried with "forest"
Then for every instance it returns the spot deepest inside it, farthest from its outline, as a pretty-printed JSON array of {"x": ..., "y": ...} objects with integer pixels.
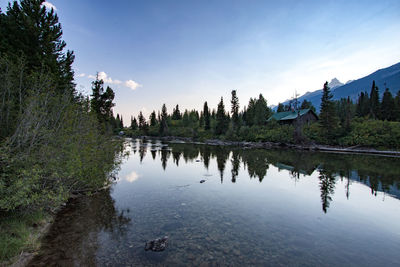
[
  {"x": 369, "y": 122},
  {"x": 53, "y": 140}
]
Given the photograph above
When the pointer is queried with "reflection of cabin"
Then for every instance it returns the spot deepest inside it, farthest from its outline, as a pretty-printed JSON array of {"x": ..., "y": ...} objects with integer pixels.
[{"x": 304, "y": 116}]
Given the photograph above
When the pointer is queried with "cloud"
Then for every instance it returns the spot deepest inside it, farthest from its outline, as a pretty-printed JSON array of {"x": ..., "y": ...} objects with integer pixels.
[
  {"x": 132, "y": 84},
  {"x": 82, "y": 75},
  {"x": 107, "y": 79},
  {"x": 49, "y": 5},
  {"x": 133, "y": 176}
]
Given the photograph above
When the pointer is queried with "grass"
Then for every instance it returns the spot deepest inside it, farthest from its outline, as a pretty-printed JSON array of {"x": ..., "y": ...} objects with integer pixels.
[{"x": 20, "y": 232}]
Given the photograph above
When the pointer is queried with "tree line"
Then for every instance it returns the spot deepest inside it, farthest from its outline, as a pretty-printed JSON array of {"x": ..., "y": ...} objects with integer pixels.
[
  {"x": 53, "y": 140},
  {"x": 341, "y": 122}
]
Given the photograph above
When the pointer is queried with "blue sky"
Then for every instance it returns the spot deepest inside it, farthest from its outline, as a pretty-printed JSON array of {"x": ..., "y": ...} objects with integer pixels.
[{"x": 187, "y": 52}]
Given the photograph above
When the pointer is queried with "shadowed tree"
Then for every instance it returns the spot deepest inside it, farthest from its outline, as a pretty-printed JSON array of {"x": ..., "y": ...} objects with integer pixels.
[
  {"x": 206, "y": 114},
  {"x": 222, "y": 121},
  {"x": 235, "y": 111},
  {"x": 328, "y": 120}
]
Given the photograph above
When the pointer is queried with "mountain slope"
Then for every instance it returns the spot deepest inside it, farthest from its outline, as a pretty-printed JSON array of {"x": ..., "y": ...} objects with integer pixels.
[{"x": 384, "y": 78}]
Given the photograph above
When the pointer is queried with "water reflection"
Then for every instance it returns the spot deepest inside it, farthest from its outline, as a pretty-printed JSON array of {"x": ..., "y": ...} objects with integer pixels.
[
  {"x": 73, "y": 239},
  {"x": 299, "y": 165}
]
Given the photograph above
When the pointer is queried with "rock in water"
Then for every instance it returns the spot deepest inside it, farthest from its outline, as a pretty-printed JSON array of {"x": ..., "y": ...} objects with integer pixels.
[
  {"x": 202, "y": 181},
  {"x": 157, "y": 245}
]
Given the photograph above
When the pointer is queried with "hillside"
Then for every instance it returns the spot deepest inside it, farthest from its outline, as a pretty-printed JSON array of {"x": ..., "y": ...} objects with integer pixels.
[{"x": 387, "y": 77}]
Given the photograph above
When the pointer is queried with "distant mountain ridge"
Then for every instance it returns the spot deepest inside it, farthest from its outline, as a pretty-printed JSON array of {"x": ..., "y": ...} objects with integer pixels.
[{"x": 384, "y": 78}]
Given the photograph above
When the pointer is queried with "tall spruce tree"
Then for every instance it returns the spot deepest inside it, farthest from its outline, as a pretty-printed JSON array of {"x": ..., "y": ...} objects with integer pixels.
[
  {"x": 142, "y": 123},
  {"x": 206, "y": 114},
  {"x": 153, "y": 118},
  {"x": 397, "y": 106},
  {"x": 388, "y": 106},
  {"x": 134, "y": 124},
  {"x": 235, "y": 110},
  {"x": 328, "y": 120},
  {"x": 101, "y": 101},
  {"x": 176, "y": 114},
  {"x": 222, "y": 123},
  {"x": 163, "y": 123},
  {"x": 374, "y": 102}
]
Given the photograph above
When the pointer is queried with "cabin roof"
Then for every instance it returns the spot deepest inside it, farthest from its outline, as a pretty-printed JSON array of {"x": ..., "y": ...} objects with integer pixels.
[{"x": 289, "y": 115}]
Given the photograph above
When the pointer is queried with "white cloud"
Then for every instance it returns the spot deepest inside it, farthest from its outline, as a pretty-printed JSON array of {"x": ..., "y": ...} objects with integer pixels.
[
  {"x": 107, "y": 79},
  {"x": 82, "y": 75},
  {"x": 132, "y": 84},
  {"x": 133, "y": 176},
  {"x": 49, "y": 5}
]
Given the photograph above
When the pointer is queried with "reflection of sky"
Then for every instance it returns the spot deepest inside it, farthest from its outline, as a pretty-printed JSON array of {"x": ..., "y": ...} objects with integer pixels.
[
  {"x": 280, "y": 205},
  {"x": 131, "y": 177}
]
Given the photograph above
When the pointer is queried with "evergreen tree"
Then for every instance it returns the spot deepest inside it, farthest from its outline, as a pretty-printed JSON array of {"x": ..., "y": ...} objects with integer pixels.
[
  {"x": 374, "y": 101},
  {"x": 163, "y": 123},
  {"x": 250, "y": 112},
  {"x": 388, "y": 106},
  {"x": 262, "y": 111},
  {"x": 134, "y": 124},
  {"x": 235, "y": 110},
  {"x": 29, "y": 29},
  {"x": 222, "y": 122},
  {"x": 206, "y": 114},
  {"x": 397, "y": 106},
  {"x": 176, "y": 114},
  {"x": 101, "y": 102},
  {"x": 328, "y": 119},
  {"x": 307, "y": 104},
  {"x": 153, "y": 119},
  {"x": 362, "y": 108},
  {"x": 142, "y": 123},
  {"x": 280, "y": 108}
]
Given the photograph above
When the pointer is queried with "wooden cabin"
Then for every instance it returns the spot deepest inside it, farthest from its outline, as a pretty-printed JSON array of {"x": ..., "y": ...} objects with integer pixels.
[{"x": 304, "y": 116}]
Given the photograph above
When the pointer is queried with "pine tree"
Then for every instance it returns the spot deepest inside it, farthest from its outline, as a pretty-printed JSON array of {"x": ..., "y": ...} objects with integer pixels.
[
  {"x": 374, "y": 101},
  {"x": 262, "y": 111},
  {"x": 101, "y": 102},
  {"x": 235, "y": 110},
  {"x": 176, "y": 114},
  {"x": 397, "y": 106},
  {"x": 163, "y": 123},
  {"x": 328, "y": 119},
  {"x": 134, "y": 124},
  {"x": 153, "y": 119},
  {"x": 206, "y": 114},
  {"x": 307, "y": 105},
  {"x": 222, "y": 122},
  {"x": 388, "y": 106},
  {"x": 142, "y": 123},
  {"x": 280, "y": 108}
]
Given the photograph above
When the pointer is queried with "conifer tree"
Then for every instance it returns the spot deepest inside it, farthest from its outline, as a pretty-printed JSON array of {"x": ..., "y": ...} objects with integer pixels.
[
  {"x": 374, "y": 101},
  {"x": 222, "y": 122},
  {"x": 262, "y": 111},
  {"x": 101, "y": 102},
  {"x": 153, "y": 119},
  {"x": 362, "y": 108},
  {"x": 176, "y": 114},
  {"x": 397, "y": 106},
  {"x": 134, "y": 124},
  {"x": 163, "y": 123},
  {"x": 388, "y": 106},
  {"x": 280, "y": 108},
  {"x": 206, "y": 114},
  {"x": 307, "y": 104},
  {"x": 235, "y": 110},
  {"x": 142, "y": 123},
  {"x": 328, "y": 119}
]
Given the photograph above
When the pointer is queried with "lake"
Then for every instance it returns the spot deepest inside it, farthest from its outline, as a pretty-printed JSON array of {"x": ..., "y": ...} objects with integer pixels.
[{"x": 256, "y": 207}]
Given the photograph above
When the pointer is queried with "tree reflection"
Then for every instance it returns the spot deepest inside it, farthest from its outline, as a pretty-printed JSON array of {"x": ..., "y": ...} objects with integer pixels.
[
  {"x": 73, "y": 237},
  {"x": 327, "y": 188},
  {"x": 222, "y": 156},
  {"x": 165, "y": 153},
  {"x": 235, "y": 161}
]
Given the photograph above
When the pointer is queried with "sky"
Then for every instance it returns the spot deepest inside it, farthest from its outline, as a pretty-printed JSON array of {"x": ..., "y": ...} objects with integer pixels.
[{"x": 189, "y": 51}]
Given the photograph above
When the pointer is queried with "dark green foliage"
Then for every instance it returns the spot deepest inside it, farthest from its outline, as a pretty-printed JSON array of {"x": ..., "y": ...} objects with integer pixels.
[
  {"x": 388, "y": 106},
  {"x": 397, "y": 106},
  {"x": 362, "y": 109},
  {"x": 134, "y": 124},
  {"x": 257, "y": 112},
  {"x": 176, "y": 114},
  {"x": 374, "y": 103},
  {"x": 235, "y": 111},
  {"x": 221, "y": 119},
  {"x": 307, "y": 104},
  {"x": 163, "y": 122},
  {"x": 280, "y": 108},
  {"x": 143, "y": 126},
  {"x": 327, "y": 116},
  {"x": 345, "y": 111},
  {"x": 101, "y": 103},
  {"x": 153, "y": 119}
]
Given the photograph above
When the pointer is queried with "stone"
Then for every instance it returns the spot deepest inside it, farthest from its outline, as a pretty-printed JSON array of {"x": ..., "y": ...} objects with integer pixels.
[{"x": 157, "y": 245}]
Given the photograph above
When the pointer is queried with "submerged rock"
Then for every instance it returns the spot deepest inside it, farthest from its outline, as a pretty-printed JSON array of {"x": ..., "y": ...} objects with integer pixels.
[
  {"x": 157, "y": 245},
  {"x": 202, "y": 181}
]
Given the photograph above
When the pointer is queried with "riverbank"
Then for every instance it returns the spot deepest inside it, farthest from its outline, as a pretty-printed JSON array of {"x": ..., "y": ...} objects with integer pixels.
[{"x": 275, "y": 145}]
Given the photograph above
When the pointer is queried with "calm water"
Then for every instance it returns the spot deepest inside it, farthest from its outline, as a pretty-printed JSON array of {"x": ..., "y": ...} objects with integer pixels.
[{"x": 257, "y": 207}]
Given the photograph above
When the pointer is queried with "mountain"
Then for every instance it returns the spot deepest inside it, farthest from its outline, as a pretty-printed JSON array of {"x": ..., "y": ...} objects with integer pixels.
[{"x": 384, "y": 78}]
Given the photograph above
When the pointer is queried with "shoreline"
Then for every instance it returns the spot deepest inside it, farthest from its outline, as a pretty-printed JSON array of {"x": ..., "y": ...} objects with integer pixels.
[{"x": 273, "y": 145}]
